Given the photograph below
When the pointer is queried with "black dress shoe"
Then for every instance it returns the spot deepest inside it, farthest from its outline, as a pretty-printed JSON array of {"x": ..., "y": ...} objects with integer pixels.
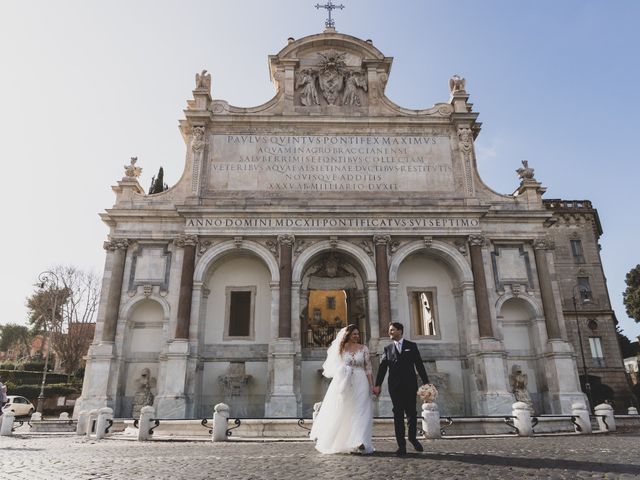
[
  {"x": 401, "y": 452},
  {"x": 417, "y": 445}
]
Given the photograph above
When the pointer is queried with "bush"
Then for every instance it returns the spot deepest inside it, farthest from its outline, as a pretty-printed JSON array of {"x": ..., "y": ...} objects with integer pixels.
[
  {"x": 7, "y": 366},
  {"x": 19, "y": 377},
  {"x": 33, "y": 365}
]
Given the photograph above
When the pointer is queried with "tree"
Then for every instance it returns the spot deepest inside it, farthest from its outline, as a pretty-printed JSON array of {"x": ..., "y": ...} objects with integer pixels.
[
  {"x": 157, "y": 183},
  {"x": 627, "y": 347},
  {"x": 15, "y": 337},
  {"x": 74, "y": 301},
  {"x": 631, "y": 295}
]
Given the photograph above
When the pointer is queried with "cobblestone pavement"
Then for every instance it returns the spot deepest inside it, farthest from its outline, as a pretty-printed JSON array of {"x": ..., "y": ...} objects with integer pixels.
[{"x": 70, "y": 457}]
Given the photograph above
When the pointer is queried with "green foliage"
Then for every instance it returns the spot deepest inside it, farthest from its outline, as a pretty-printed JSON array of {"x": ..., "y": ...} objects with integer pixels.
[
  {"x": 45, "y": 308},
  {"x": 631, "y": 295},
  {"x": 13, "y": 336},
  {"x": 18, "y": 377},
  {"x": 628, "y": 348},
  {"x": 157, "y": 183}
]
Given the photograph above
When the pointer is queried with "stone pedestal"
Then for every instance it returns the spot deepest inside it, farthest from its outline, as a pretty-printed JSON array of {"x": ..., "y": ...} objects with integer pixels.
[
  {"x": 493, "y": 395},
  {"x": 220, "y": 422},
  {"x": 608, "y": 423},
  {"x": 431, "y": 420},
  {"x": 98, "y": 373},
  {"x": 562, "y": 378},
  {"x": 579, "y": 410},
  {"x": 171, "y": 402},
  {"x": 144, "y": 424},
  {"x": 282, "y": 399},
  {"x": 81, "y": 426},
  {"x": 523, "y": 419},
  {"x": 6, "y": 424},
  {"x": 104, "y": 415}
]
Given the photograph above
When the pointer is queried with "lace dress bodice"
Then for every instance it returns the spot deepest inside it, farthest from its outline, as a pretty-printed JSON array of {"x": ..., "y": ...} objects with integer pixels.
[{"x": 358, "y": 359}]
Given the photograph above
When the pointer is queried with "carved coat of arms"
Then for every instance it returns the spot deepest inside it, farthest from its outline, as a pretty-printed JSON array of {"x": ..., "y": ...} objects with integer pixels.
[{"x": 331, "y": 78}]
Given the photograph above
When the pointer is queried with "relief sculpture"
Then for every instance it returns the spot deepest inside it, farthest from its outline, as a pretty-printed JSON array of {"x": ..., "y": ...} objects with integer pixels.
[
  {"x": 337, "y": 84},
  {"x": 306, "y": 79}
]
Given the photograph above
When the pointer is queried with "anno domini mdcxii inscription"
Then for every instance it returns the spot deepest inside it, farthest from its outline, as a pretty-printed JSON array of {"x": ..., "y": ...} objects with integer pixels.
[{"x": 331, "y": 163}]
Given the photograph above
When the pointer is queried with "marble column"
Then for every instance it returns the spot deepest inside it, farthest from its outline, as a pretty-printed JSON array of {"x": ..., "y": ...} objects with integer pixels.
[
  {"x": 118, "y": 250},
  {"x": 382, "y": 274},
  {"x": 546, "y": 291},
  {"x": 188, "y": 243},
  {"x": 284, "y": 319},
  {"x": 476, "y": 243}
]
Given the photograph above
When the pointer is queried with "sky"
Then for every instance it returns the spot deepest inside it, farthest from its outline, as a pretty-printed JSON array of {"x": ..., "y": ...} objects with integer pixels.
[{"x": 85, "y": 85}]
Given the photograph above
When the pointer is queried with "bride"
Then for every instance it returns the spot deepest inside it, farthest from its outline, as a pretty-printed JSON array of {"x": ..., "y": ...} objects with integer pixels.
[{"x": 345, "y": 420}]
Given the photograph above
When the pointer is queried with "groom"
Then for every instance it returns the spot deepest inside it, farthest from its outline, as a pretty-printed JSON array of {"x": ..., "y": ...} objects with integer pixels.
[{"x": 402, "y": 358}]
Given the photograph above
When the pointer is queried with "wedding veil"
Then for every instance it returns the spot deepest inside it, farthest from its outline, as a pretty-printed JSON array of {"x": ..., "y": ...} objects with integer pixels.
[{"x": 334, "y": 360}]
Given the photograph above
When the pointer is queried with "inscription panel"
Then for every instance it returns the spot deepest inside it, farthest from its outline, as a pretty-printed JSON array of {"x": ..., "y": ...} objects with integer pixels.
[{"x": 331, "y": 163}]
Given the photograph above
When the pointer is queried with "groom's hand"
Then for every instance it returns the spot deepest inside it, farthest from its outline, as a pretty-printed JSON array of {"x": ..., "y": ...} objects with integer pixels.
[{"x": 375, "y": 390}]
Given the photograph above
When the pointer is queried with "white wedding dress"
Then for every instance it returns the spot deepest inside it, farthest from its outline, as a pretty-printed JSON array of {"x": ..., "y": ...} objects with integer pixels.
[{"x": 345, "y": 421}]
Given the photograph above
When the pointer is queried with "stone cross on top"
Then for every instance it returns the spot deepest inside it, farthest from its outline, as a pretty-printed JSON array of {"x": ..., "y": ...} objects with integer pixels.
[{"x": 329, "y": 23}]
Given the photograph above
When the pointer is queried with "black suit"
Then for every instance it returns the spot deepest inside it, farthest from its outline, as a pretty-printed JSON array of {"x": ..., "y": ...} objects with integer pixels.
[{"x": 403, "y": 385}]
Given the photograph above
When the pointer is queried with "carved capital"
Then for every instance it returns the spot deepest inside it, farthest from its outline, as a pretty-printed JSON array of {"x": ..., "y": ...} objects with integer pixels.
[
  {"x": 117, "y": 244},
  {"x": 381, "y": 239},
  {"x": 197, "y": 138},
  {"x": 186, "y": 240},
  {"x": 286, "y": 239},
  {"x": 543, "y": 244},
  {"x": 476, "y": 240}
]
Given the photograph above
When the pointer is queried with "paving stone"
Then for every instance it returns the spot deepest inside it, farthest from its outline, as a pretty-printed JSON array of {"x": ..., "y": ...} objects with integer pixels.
[{"x": 69, "y": 457}]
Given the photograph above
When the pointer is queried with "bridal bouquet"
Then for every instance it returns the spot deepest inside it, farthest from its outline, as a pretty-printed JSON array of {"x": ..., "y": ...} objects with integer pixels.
[{"x": 428, "y": 393}]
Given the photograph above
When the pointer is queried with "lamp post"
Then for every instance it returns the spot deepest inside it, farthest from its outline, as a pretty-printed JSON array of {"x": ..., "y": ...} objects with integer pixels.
[
  {"x": 50, "y": 279},
  {"x": 583, "y": 293}
]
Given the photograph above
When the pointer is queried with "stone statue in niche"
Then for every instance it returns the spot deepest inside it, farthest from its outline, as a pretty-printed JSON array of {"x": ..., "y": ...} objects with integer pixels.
[
  {"x": 306, "y": 80},
  {"x": 332, "y": 69},
  {"x": 143, "y": 396},
  {"x": 518, "y": 382},
  {"x": 353, "y": 81}
]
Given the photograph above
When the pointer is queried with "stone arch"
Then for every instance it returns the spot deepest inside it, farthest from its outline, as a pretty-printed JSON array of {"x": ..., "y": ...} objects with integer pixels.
[
  {"x": 448, "y": 253},
  {"x": 534, "y": 307},
  {"x": 132, "y": 303},
  {"x": 216, "y": 252},
  {"x": 352, "y": 250}
]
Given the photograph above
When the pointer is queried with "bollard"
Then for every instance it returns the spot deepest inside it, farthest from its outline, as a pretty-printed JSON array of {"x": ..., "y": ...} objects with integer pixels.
[
  {"x": 522, "y": 422},
  {"x": 104, "y": 415},
  {"x": 220, "y": 420},
  {"x": 64, "y": 416},
  {"x": 606, "y": 410},
  {"x": 36, "y": 416},
  {"x": 316, "y": 409},
  {"x": 91, "y": 420},
  {"x": 431, "y": 420},
  {"x": 81, "y": 426},
  {"x": 579, "y": 410},
  {"x": 144, "y": 423},
  {"x": 6, "y": 427},
  {"x": 632, "y": 411}
]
